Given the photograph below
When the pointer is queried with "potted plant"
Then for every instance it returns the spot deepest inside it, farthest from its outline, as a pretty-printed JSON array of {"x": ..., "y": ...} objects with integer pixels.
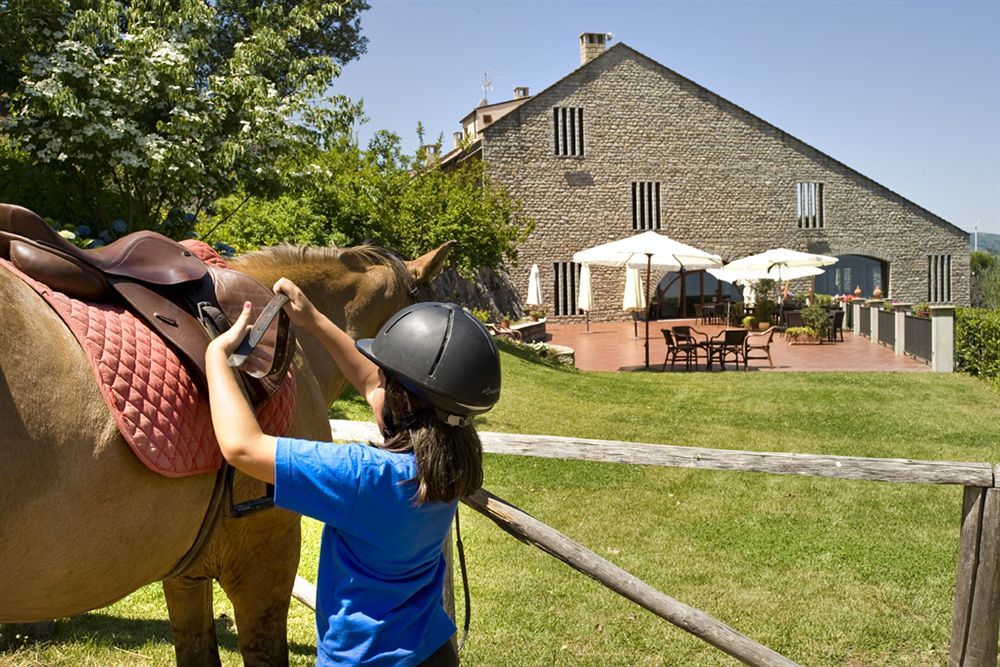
[
  {"x": 816, "y": 318},
  {"x": 763, "y": 309},
  {"x": 802, "y": 336},
  {"x": 749, "y": 322}
]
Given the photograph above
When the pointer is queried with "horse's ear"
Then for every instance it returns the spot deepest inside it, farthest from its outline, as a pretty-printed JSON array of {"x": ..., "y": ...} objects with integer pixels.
[{"x": 426, "y": 267}]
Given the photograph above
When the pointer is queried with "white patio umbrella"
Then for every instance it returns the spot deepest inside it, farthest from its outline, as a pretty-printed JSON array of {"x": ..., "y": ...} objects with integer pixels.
[
  {"x": 648, "y": 249},
  {"x": 534, "y": 287},
  {"x": 779, "y": 264},
  {"x": 744, "y": 277},
  {"x": 634, "y": 299},
  {"x": 584, "y": 300}
]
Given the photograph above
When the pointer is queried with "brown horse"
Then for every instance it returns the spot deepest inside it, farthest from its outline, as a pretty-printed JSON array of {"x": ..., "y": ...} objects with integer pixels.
[{"x": 83, "y": 523}]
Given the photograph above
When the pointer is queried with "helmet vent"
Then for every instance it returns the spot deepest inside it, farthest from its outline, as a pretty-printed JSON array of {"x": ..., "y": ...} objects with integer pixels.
[{"x": 444, "y": 342}]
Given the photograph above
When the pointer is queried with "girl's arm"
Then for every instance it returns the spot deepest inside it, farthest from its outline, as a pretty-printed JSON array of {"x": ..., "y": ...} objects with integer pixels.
[{"x": 243, "y": 443}]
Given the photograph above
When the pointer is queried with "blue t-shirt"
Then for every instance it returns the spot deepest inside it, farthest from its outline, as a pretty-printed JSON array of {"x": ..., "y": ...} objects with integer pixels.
[{"x": 381, "y": 569}]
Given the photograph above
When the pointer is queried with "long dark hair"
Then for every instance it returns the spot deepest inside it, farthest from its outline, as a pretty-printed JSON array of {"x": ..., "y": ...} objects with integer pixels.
[{"x": 449, "y": 458}]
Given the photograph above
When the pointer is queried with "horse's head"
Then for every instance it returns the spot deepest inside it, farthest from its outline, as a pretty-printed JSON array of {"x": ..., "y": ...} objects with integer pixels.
[{"x": 358, "y": 288}]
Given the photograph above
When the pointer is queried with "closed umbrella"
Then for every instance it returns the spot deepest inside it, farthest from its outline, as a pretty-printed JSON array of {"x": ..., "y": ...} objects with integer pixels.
[
  {"x": 534, "y": 287},
  {"x": 634, "y": 299},
  {"x": 584, "y": 299},
  {"x": 650, "y": 250}
]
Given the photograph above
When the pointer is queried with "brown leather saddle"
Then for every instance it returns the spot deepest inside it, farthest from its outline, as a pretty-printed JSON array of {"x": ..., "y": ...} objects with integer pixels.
[{"x": 167, "y": 286}]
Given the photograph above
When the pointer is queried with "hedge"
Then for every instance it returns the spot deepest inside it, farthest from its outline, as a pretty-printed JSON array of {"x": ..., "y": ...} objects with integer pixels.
[{"x": 977, "y": 341}]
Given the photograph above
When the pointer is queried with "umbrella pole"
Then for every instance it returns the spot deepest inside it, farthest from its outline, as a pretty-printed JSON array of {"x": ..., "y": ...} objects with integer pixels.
[
  {"x": 649, "y": 260},
  {"x": 586, "y": 316}
]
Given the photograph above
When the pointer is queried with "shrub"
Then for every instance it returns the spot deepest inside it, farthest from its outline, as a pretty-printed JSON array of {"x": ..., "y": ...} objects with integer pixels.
[
  {"x": 801, "y": 333},
  {"x": 977, "y": 341},
  {"x": 816, "y": 318},
  {"x": 763, "y": 308},
  {"x": 824, "y": 300},
  {"x": 749, "y": 322}
]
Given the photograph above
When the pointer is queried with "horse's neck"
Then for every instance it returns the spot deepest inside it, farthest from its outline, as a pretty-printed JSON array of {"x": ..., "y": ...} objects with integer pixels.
[{"x": 326, "y": 287}]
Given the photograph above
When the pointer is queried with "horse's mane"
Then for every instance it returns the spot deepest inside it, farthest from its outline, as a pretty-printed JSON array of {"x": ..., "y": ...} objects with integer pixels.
[{"x": 366, "y": 253}]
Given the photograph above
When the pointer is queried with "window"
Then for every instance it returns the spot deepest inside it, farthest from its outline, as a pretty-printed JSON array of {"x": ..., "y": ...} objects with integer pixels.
[
  {"x": 564, "y": 286},
  {"x": 645, "y": 205},
  {"x": 853, "y": 271},
  {"x": 567, "y": 126},
  {"x": 809, "y": 205},
  {"x": 938, "y": 278}
]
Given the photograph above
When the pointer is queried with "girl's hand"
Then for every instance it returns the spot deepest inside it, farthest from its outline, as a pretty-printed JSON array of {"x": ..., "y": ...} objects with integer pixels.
[
  {"x": 226, "y": 342},
  {"x": 299, "y": 308}
]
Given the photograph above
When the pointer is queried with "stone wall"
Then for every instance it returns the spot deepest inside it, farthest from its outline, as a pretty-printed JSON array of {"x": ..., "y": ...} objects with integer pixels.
[{"x": 728, "y": 182}]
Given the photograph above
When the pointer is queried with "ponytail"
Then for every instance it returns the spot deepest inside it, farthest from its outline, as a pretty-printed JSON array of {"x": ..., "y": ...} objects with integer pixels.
[{"x": 449, "y": 458}]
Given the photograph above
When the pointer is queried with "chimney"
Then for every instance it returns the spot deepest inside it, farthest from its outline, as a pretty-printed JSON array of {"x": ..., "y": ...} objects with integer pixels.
[
  {"x": 593, "y": 44},
  {"x": 430, "y": 152},
  {"x": 457, "y": 136},
  {"x": 520, "y": 92}
]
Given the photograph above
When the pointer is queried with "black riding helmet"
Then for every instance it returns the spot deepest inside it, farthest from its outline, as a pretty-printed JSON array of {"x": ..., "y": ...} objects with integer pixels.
[{"x": 442, "y": 354}]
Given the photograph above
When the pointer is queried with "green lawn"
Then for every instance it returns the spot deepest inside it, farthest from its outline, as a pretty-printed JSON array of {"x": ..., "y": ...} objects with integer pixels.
[{"x": 827, "y": 572}]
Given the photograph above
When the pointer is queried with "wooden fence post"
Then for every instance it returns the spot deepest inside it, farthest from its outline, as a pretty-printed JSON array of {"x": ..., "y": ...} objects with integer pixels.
[{"x": 976, "y": 616}]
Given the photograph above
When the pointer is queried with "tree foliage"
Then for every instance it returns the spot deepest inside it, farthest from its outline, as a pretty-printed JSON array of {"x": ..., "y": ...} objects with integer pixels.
[
  {"x": 348, "y": 195},
  {"x": 152, "y": 109}
]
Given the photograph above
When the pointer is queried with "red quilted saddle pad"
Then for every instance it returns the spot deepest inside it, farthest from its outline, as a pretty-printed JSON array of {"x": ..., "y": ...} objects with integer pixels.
[{"x": 155, "y": 403}]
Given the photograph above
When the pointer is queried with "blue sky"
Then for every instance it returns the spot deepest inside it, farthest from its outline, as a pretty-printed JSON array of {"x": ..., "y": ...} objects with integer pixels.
[{"x": 907, "y": 93}]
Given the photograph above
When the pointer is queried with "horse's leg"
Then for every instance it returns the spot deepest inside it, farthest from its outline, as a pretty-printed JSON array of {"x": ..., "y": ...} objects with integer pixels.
[
  {"x": 259, "y": 583},
  {"x": 189, "y": 603}
]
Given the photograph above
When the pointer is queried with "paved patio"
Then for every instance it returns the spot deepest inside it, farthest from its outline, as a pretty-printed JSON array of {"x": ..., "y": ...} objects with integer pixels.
[{"x": 612, "y": 346}]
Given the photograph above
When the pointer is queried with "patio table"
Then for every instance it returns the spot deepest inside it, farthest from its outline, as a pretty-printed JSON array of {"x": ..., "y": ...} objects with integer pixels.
[{"x": 718, "y": 346}]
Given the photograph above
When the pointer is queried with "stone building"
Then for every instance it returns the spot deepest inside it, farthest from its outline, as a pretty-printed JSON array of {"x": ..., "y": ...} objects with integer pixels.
[{"x": 623, "y": 144}]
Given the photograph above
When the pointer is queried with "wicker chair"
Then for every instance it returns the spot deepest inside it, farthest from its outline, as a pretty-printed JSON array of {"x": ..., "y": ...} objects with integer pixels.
[
  {"x": 758, "y": 346},
  {"x": 837, "y": 326},
  {"x": 728, "y": 342},
  {"x": 677, "y": 347}
]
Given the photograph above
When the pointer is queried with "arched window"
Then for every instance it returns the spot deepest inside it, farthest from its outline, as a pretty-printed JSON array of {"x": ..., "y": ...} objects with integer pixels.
[
  {"x": 852, "y": 271},
  {"x": 699, "y": 287}
]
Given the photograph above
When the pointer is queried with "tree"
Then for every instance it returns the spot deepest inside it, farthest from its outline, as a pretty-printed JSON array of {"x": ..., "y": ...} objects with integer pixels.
[
  {"x": 153, "y": 109},
  {"x": 346, "y": 196}
]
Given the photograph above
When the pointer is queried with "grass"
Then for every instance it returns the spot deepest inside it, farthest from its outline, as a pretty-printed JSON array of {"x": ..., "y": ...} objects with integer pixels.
[{"x": 827, "y": 572}]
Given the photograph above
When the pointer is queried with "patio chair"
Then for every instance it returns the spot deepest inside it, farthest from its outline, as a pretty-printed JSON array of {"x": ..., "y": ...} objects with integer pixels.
[
  {"x": 676, "y": 347},
  {"x": 793, "y": 318},
  {"x": 728, "y": 342},
  {"x": 699, "y": 314},
  {"x": 837, "y": 326},
  {"x": 687, "y": 334},
  {"x": 758, "y": 346},
  {"x": 501, "y": 331}
]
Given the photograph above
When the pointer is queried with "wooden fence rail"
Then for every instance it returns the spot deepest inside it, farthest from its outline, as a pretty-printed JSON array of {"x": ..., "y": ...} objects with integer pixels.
[{"x": 976, "y": 611}]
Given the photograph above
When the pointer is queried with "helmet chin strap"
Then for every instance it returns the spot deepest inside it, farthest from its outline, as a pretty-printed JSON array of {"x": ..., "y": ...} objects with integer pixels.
[{"x": 453, "y": 420}]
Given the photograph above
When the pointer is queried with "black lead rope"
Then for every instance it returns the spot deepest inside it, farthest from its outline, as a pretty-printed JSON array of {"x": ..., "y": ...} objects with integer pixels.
[{"x": 465, "y": 583}]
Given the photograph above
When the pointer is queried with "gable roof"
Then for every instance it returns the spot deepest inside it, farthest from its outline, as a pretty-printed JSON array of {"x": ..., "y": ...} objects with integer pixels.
[{"x": 732, "y": 106}]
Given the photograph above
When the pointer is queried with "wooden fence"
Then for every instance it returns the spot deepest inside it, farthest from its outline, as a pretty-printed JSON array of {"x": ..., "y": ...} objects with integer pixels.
[{"x": 976, "y": 611}]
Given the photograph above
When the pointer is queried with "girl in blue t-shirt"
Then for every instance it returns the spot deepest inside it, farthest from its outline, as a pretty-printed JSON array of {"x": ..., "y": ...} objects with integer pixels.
[{"x": 386, "y": 509}]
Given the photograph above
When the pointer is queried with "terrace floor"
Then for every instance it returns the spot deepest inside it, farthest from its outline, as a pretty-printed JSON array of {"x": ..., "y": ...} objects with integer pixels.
[{"x": 613, "y": 346}]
